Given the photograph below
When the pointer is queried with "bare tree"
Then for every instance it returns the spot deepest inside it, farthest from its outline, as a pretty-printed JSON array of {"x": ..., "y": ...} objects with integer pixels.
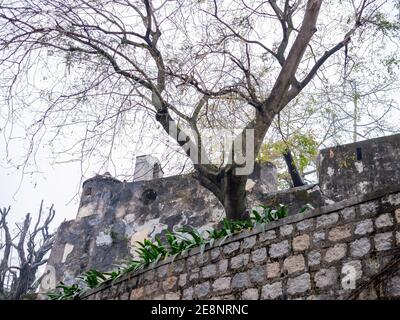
[
  {"x": 31, "y": 243},
  {"x": 358, "y": 100},
  {"x": 182, "y": 63}
]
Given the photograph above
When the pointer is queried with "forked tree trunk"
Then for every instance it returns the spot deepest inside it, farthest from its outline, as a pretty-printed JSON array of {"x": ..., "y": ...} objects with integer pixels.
[
  {"x": 230, "y": 190},
  {"x": 235, "y": 203}
]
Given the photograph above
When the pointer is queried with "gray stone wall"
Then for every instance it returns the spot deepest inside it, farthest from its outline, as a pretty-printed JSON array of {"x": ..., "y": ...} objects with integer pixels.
[
  {"x": 295, "y": 198},
  {"x": 358, "y": 168},
  {"x": 113, "y": 215},
  {"x": 147, "y": 167},
  {"x": 349, "y": 249}
]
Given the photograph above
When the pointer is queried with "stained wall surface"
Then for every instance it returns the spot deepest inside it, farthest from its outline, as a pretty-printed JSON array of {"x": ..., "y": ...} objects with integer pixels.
[{"x": 347, "y": 250}]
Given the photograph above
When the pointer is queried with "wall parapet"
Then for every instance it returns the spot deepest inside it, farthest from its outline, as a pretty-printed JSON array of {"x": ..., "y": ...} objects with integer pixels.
[
  {"x": 325, "y": 253},
  {"x": 113, "y": 215}
]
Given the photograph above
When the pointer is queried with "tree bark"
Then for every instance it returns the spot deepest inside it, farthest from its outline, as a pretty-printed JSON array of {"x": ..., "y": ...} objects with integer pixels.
[
  {"x": 235, "y": 203},
  {"x": 292, "y": 169},
  {"x": 230, "y": 190},
  {"x": 6, "y": 249},
  {"x": 25, "y": 279},
  {"x": 31, "y": 246}
]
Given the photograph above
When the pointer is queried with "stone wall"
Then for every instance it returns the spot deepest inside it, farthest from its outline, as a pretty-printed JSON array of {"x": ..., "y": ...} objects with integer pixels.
[
  {"x": 296, "y": 198},
  {"x": 349, "y": 249},
  {"x": 114, "y": 214},
  {"x": 360, "y": 167}
]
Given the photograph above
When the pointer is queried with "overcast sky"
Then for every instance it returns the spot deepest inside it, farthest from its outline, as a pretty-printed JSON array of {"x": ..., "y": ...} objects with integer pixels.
[{"x": 57, "y": 185}]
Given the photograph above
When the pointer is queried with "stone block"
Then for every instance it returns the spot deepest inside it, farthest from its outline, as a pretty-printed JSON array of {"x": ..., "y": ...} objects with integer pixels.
[
  {"x": 348, "y": 214},
  {"x": 208, "y": 271},
  {"x": 172, "y": 296},
  {"x": 319, "y": 237},
  {"x": 279, "y": 249},
  {"x": 222, "y": 284},
  {"x": 326, "y": 278},
  {"x": 364, "y": 227},
  {"x": 137, "y": 293},
  {"x": 250, "y": 294},
  {"x": 240, "y": 280},
  {"x": 203, "y": 259},
  {"x": 231, "y": 248},
  {"x": 384, "y": 220},
  {"x": 352, "y": 268},
  {"x": 393, "y": 287},
  {"x": 169, "y": 283},
  {"x": 182, "y": 279},
  {"x": 178, "y": 266},
  {"x": 286, "y": 230},
  {"x": 299, "y": 284},
  {"x": 273, "y": 270},
  {"x": 124, "y": 296},
  {"x": 259, "y": 255},
  {"x": 397, "y": 214},
  {"x": 360, "y": 247},
  {"x": 257, "y": 274},
  {"x": 383, "y": 241},
  {"x": 327, "y": 219},
  {"x": 267, "y": 235},
  {"x": 305, "y": 224},
  {"x": 368, "y": 208},
  {"x": 194, "y": 276},
  {"x": 239, "y": 261},
  {"x": 335, "y": 253},
  {"x": 272, "y": 291},
  {"x": 201, "y": 290},
  {"x": 294, "y": 264},
  {"x": 340, "y": 233},
  {"x": 215, "y": 254},
  {"x": 314, "y": 258},
  {"x": 187, "y": 294},
  {"x": 301, "y": 243},
  {"x": 222, "y": 266},
  {"x": 249, "y": 242}
]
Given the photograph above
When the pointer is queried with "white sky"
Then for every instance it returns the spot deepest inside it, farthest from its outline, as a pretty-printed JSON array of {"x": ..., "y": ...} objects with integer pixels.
[{"x": 57, "y": 185}]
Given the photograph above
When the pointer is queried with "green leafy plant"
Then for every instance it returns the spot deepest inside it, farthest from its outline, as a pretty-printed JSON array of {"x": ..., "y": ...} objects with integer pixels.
[
  {"x": 268, "y": 214},
  {"x": 149, "y": 251},
  {"x": 66, "y": 292},
  {"x": 177, "y": 242},
  {"x": 93, "y": 278},
  {"x": 306, "y": 207},
  {"x": 130, "y": 265}
]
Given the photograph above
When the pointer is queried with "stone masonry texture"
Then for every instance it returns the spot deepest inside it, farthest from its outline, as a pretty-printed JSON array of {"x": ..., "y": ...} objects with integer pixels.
[
  {"x": 347, "y": 250},
  {"x": 358, "y": 168},
  {"x": 113, "y": 215}
]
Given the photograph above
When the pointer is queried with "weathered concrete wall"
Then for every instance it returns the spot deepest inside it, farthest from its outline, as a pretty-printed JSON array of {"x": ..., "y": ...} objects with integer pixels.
[
  {"x": 360, "y": 167},
  {"x": 147, "y": 168},
  {"x": 296, "y": 198},
  {"x": 345, "y": 250},
  {"x": 113, "y": 215}
]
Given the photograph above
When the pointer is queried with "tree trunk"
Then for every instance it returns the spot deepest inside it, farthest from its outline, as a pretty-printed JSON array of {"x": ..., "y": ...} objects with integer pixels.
[
  {"x": 292, "y": 169},
  {"x": 235, "y": 203},
  {"x": 25, "y": 279},
  {"x": 230, "y": 190}
]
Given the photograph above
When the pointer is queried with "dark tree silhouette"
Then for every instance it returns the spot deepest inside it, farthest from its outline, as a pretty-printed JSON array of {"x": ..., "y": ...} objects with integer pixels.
[{"x": 31, "y": 243}]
